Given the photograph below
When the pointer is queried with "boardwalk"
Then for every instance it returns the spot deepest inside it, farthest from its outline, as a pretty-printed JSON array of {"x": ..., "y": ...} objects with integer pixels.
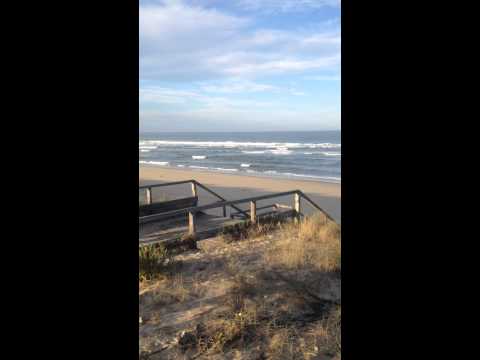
[{"x": 181, "y": 218}]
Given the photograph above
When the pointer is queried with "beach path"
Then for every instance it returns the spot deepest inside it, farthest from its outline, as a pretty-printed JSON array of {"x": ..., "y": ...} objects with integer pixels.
[{"x": 233, "y": 187}]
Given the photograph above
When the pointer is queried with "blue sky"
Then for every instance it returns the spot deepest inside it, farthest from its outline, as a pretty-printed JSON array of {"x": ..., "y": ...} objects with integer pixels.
[{"x": 239, "y": 65}]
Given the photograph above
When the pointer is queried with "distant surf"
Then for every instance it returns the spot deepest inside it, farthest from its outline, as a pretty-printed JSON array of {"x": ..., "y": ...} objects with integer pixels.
[{"x": 312, "y": 155}]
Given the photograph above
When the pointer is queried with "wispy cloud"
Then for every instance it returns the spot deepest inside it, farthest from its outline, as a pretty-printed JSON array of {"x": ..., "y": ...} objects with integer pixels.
[
  {"x": 323, "y": 78},
  {"x": 286, "y": 5},
  {"x": 161, "y": 95},
  {"x": 182, "y": 43},
  {"x": 239, "y": 86}
]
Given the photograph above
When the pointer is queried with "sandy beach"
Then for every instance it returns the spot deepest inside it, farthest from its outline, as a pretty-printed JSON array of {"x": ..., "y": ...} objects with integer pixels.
[{"x": 231, "y": 187}]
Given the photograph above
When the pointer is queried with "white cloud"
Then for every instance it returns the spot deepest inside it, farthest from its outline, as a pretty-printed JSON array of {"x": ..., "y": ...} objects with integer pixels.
[
  {"x": 323, "y": 78},
  {"x": 161, "y": 95},
  {"x": 165, "y": 96},
  {"x": 188, "y": 43},
  {"x": 286, "y": 5},
  {"x": 282, "y": 66},
  {"x": 239, "y": 86}
]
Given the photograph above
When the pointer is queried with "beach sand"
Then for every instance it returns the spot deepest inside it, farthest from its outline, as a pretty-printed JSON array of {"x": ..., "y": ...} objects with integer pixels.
[{"x": 232, "y": 187}]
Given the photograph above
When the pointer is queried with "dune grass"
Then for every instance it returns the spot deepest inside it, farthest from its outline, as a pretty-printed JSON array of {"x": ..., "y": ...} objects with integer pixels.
[
  {"x": 268, "y": 308},
  {"x": 154, "y": 261},
  {"x": 310, "y": 244}
]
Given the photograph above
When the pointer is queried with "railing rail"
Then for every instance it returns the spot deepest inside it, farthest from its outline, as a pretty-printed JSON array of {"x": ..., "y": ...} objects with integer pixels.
[
  {"x": 252, "y": 200},
  {"x": 148, "y": 193},
  {"x": 166, "y": 184}
]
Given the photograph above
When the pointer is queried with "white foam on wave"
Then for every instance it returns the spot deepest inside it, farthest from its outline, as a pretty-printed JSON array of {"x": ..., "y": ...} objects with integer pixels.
[
  {"x": 251, "y": 171},
  {"x": 253, "y": 152},
  {"x": 222, "y": 169},
  {"x": 245, "y": 165},
  {"x": 180, "y": 165},
  {"x": 235, "y": 144},
  {"x": 324, "y": 153},
  {"x": 161, "y": 163},
  {"x": 146, "y": 147},
  {"x": 197, "y": 167},
  {"x": 144, "y": 150},
  {"x": 270, "y": 172},
  {"x": 325, "y": 178},
  {"x": 198, "y": 157},
  {"x": 281, "y": 151}
]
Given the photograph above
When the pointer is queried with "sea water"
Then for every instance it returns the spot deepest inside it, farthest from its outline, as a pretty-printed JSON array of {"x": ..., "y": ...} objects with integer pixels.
[{"x": 312, "y": 155}]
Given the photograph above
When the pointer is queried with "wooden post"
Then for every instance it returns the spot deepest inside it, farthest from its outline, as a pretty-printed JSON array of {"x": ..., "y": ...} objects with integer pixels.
[
  {"x": 148, "y": 195},
  {"x": 253, "y": 211},
  {"x": 224, "y": 211},
  {"x": 194, "y": 189},
  {"x": 191, "y": 223},
  {"x": 296, "y": 206}
]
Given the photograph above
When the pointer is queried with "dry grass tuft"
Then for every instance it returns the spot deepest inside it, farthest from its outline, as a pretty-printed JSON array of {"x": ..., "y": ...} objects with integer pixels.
[
  {"x": 153, "y": 262},
  {"x": 240, "y": 290},
  {"x": 312, "y": 243},
  {"x": 327, "y": 333},
  {"x": 246, "y": 231},
  {"x": 323, "y": 338},
  {"x": 283, "y": 344},
  {"x": 234, "y": 329},
  {"x": 170, "y": 290}
]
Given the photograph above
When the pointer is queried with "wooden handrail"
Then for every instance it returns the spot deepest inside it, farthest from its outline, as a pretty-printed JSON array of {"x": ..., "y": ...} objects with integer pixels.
[
  {"x": 149, "y": 218},
  {"x": 148, "y": 188},
  {"x": 315, "y": 205},
  {"x": 223, "y": 203},
  {"x": 165, "y": 184},
  {"x": 220, "y": 197},
  {"x": 265, "y": 207}
]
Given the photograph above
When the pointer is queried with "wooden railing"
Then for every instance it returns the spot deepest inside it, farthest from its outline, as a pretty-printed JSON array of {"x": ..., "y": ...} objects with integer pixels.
[
  {"x": 298, "y": 195},
  {"x": 194, "y": 184}
]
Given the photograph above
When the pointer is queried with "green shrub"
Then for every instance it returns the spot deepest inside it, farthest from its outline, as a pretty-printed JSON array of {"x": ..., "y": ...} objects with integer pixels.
[{"x": 153, "y": 261}]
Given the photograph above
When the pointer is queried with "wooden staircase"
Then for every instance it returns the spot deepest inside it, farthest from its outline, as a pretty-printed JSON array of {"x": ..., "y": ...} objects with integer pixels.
[{"x": 177, "y": 220}]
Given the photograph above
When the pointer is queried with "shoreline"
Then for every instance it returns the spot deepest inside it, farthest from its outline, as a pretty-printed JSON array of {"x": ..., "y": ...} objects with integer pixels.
[
  {"x": 274, "y": 176},
  {"x": 166, "y": 173}
]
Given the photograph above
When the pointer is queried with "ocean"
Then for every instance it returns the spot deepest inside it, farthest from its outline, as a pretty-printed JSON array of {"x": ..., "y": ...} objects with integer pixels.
[{"x": 309, "y": 155}]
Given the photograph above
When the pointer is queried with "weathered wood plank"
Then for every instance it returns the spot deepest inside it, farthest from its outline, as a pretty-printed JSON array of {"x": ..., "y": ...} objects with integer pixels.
[
  {"x": 167, "y": 206},
  {"x": 296, "y": 206},
  {"x": 191, "y": 224},
  {"x": 253, "y": 212},
  {"x": 156, "y": 217},
  {"x": 166, "y": 184},
  {"x": 207, "y": 226},
  {"x": 148, "y": 195}
]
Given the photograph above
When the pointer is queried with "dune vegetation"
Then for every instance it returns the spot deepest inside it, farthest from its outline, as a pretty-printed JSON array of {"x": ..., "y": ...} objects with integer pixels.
[{"x": 271, "y": 293}]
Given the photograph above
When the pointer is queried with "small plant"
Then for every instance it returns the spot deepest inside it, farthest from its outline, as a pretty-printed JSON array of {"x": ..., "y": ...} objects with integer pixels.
[
  {"x": 236, "y": 328},
  {"x": 153, "y": 261},
  {"x": 327, "y": 334},
  {"x": 246, "y": 230}
]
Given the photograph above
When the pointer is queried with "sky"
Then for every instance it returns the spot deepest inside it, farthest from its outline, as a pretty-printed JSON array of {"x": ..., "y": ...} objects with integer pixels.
[{"x": 239, "y": 65}]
